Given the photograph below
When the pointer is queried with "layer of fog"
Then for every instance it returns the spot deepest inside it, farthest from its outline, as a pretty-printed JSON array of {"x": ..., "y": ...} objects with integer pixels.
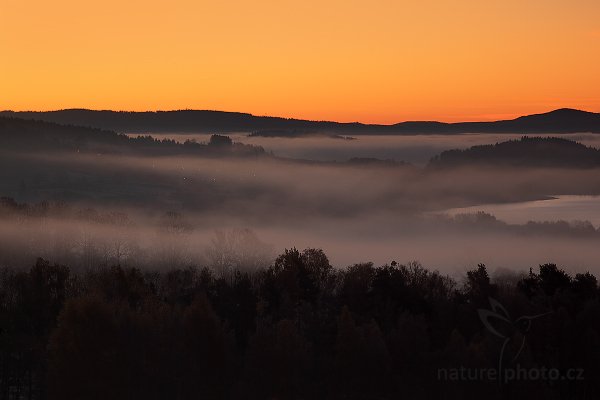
[
  {"x": 260, "y": 189},
  {"x": 149, "y": 243},
  {"x": 416, "y": 149},
  {"x": 353, "y": 213}
]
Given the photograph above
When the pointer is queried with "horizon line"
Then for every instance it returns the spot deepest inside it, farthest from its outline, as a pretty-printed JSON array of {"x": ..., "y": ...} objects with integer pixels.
[{"x": 515, "y": 116}]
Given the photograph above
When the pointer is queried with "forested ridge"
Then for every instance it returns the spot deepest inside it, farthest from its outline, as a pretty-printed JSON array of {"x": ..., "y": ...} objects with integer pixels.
[
  {"x": 563, "y": 120},
  {"x": 297, "y": 329},
  {"x": 20, "y": 135},
  {"x": 551, "y": 152}
]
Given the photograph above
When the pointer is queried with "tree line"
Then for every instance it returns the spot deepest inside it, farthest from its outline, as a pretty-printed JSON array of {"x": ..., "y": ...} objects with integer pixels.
[
  {"x": 296, "y": 329},
  {"x": 547, "y": 152},
  {"x": 19, "y": 135}
]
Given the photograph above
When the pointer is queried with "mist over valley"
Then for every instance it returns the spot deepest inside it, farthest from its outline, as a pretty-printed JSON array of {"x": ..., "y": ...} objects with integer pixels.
[{"x": 389, "y": 194}]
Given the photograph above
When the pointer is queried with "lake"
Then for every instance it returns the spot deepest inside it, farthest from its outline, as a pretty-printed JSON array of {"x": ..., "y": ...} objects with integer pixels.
[{"x": 562, "y": 207}]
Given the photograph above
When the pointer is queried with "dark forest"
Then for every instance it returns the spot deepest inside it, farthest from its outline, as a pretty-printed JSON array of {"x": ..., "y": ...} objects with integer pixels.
[{"x": 296, "y": 329}]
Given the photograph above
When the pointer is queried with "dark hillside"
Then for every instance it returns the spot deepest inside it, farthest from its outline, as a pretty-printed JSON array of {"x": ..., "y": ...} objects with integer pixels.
[
  {"x": 557, "y": 121},
  {"x": 528, "y": 151}
]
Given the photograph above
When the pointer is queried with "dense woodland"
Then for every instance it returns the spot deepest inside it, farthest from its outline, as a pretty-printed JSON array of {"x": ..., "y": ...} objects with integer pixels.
[
  {"x": 551, "y": 152},
  {"x": 19, "y": 135},
  {"x": 297, "y": 329}
]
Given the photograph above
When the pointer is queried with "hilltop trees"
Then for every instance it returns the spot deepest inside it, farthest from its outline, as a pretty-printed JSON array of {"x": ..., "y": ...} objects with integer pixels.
[{"x": 528, "y": 151}]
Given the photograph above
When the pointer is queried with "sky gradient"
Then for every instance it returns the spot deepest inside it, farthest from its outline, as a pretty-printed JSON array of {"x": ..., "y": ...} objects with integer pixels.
[{"x": 368, "y": 61}]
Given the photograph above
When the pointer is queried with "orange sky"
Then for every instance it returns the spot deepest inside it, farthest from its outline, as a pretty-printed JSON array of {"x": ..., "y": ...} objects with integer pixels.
[{"x": 369, "y": 61}]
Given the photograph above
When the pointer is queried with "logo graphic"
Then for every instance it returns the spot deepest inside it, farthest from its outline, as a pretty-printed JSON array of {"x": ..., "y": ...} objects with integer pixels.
[{"x": 521, "y": 324}]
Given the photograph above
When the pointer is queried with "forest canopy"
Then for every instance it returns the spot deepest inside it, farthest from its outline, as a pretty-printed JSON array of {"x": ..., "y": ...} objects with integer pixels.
[{"x": 297, "y": 328}]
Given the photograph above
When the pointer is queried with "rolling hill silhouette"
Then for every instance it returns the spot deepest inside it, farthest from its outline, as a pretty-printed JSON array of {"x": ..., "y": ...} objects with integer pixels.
[
  {"x": 526, "y": 152},
  {"x": 558, "y": 121},
  {"x": 20, "y": 135}
]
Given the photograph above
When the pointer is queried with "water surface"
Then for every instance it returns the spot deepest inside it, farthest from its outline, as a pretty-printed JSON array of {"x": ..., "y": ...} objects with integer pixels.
[{"x": 562, "y": 207}]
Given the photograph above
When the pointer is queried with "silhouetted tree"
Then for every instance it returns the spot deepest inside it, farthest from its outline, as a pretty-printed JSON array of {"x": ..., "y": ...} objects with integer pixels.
[{"x": 478, "y": 287}]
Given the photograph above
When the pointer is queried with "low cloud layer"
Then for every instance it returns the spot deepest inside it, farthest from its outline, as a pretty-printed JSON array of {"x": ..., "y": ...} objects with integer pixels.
[{"x": 355, "y": 213}]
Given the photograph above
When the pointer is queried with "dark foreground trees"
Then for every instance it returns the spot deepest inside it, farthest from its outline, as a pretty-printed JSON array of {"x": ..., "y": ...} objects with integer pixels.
[{"x": 298, "y": 329}]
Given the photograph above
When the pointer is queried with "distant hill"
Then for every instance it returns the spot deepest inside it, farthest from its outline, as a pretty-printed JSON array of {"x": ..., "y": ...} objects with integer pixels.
[
  {"x": 557, "y": 121},
  {"x": 527, "y": 151},
  {"x": 564, "y": 120},
  {"x": 23, "y": 135}
]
